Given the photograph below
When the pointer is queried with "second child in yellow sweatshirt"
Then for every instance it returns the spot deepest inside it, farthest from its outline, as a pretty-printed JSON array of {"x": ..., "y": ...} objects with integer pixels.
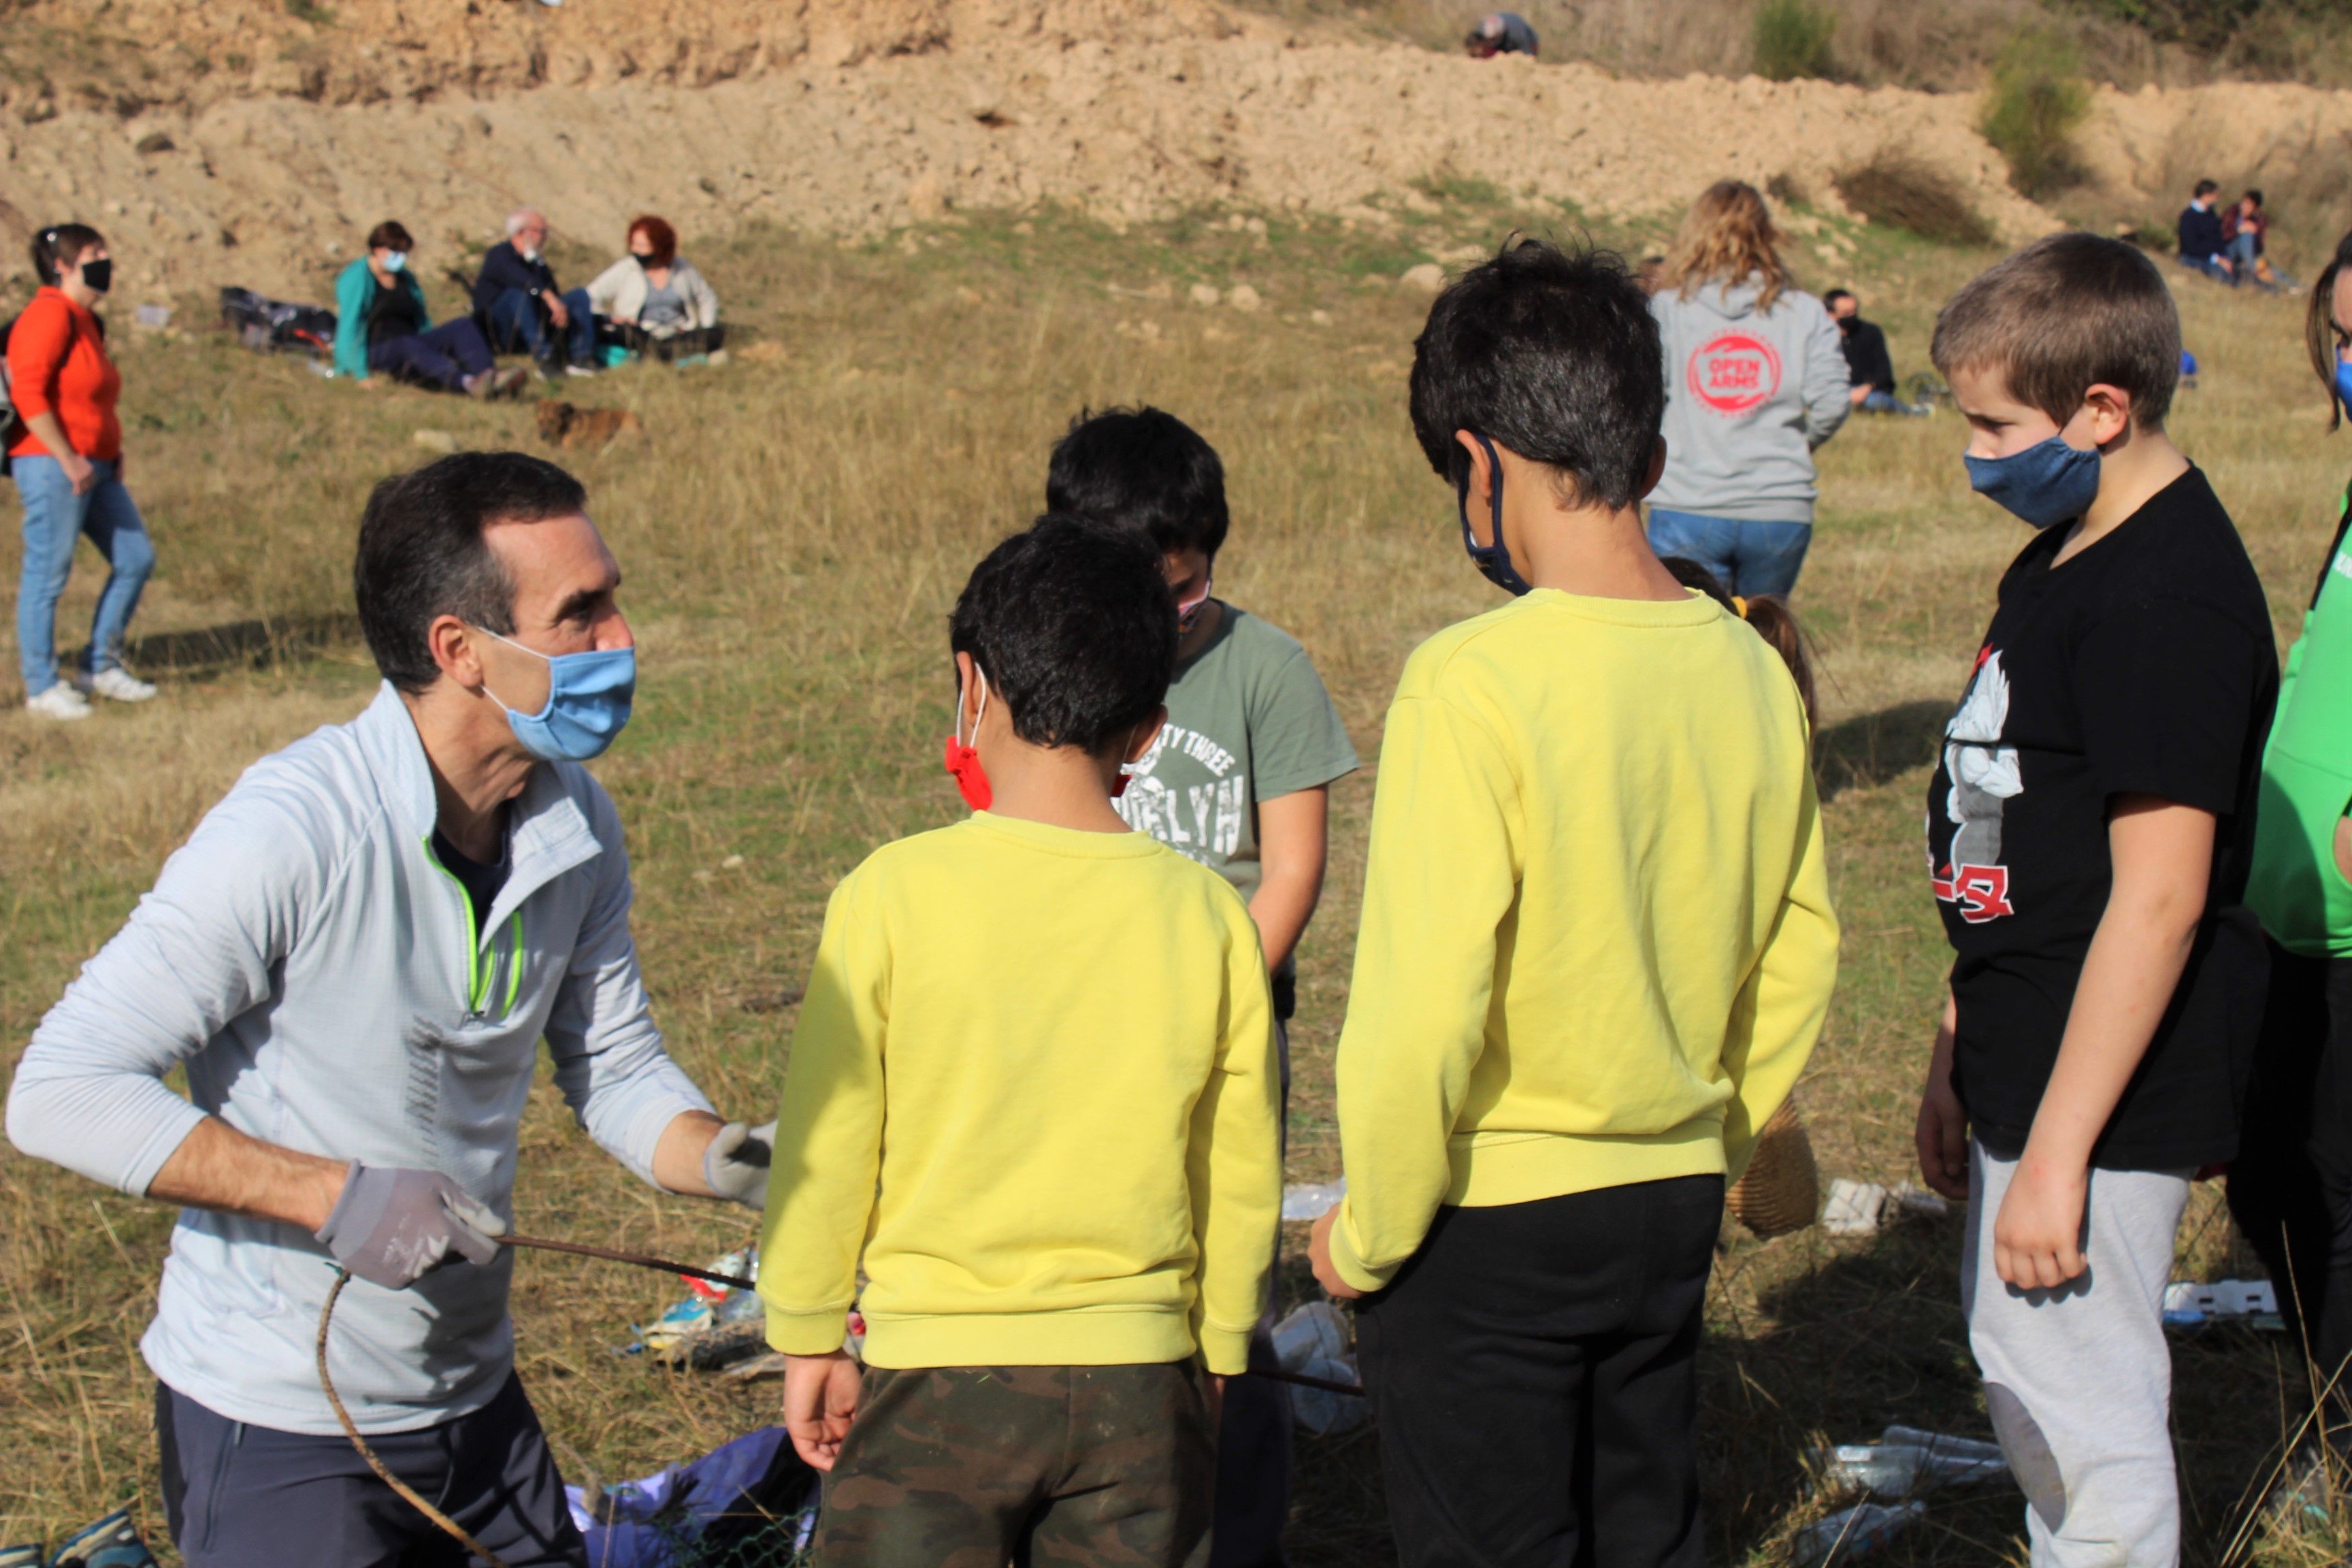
[
  {"x": 1034, "y": 1085},
  {"x": 1596, "y": 949}
]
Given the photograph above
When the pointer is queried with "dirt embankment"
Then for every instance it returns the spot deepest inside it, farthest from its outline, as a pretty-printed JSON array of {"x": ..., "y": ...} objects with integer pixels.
[{"x": 297, "y": 135}]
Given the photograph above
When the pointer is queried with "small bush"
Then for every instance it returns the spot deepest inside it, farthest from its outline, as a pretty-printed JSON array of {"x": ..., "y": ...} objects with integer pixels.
[
  {"x": 1896, "y": 189},
  {"x": 2036, "y": 100},
  {"x": 1791, "y": 40}
]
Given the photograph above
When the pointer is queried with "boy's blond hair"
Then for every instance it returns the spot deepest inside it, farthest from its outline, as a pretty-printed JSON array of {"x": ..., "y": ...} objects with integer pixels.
[
  {"x": 2063, "y": 314},
  {"x": 1728, "y": 237}
]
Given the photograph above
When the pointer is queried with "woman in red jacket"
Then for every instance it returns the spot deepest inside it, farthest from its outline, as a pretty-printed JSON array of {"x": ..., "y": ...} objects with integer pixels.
[{"x": 67, "y": 466}]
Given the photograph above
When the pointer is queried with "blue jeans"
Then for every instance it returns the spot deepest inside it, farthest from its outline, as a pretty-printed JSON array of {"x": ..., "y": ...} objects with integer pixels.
[
  {"x": 2210, "y": 267},
  {"x": 518, "y": 321},
  {"x": 54, "y": 518},
  {"x": 443, "y": 357},
  {"x": 1746, "y": 557}
]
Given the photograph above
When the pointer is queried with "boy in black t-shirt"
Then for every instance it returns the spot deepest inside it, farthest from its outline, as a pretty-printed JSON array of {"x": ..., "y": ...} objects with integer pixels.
[{"x": 2088, "y": 837}]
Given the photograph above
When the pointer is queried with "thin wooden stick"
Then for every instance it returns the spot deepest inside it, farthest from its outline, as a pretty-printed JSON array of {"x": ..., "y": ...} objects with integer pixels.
[
  {"x": 351, "y": 1429},
  {"x": 636, "y": 1259}
]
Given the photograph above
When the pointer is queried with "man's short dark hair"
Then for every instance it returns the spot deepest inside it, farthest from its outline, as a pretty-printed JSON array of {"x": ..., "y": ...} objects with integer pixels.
[
  {"x": 1835, "y": 295},
  {"x": 389, "y": 236},
  {"x": 1554, "y": 354},
  {"x": 1074, "y": 627},
  {"x": 2204, "y": 188},
  {"x": 423, "y": 554},
  {"x": 2063, "y": 314},
  {"x": 1142, "y": 469}
]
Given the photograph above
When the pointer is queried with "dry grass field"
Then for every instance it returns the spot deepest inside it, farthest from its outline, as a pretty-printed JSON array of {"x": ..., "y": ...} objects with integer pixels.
[{"x": 793, "y": 528}]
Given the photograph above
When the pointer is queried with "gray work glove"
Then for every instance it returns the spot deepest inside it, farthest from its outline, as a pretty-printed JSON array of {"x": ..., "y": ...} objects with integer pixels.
[
  {"x": 393, "y": 1226},
  {"x": 735, "y": 1165}
]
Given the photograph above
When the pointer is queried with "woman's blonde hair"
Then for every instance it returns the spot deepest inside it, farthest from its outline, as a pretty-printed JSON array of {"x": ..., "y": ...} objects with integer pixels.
[{"x": 1728, "y": 237}]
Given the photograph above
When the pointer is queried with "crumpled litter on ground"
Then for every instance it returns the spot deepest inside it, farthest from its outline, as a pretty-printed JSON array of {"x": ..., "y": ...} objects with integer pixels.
[
  {"x": 1907, "y": 1461},
  {"x": 1313, "y": 1340},
  {"x": 2251, "y": 1303}
]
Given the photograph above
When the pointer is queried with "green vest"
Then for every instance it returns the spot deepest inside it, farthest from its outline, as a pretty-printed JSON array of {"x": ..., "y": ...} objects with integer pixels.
[{"x": 2301, "y": 898}]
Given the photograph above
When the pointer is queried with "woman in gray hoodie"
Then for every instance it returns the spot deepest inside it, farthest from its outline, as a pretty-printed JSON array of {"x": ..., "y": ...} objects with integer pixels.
[{"x": 1755, "y": 380}]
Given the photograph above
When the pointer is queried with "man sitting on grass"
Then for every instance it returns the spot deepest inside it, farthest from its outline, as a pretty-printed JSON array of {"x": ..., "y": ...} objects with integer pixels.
[
  {"x": 1033, "y": 1084},
  {"x": 522, "y": 309}
]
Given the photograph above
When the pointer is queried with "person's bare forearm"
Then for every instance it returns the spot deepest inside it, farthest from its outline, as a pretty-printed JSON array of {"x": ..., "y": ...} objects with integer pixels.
[
  {"x": 1282, "y": 907},
  {"x": 52, "y": 434},
  {"x": 678, "y": 1158},
  {"x": 217, "y": 1167},
  {"x": 1292, "y": 831},
  {"x": 2135, "y": 963}
]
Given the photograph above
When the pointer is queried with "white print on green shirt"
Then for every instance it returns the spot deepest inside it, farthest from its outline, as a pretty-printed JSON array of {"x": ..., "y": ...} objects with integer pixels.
[{"x": 1202, "y": 820}]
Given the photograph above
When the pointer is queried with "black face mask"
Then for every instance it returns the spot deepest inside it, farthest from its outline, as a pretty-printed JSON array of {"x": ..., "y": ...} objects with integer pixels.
[
  {"x": 1492, "y": 561},
  {"x": 99, "y": 275},
  {"x": 644, "y": 262}
]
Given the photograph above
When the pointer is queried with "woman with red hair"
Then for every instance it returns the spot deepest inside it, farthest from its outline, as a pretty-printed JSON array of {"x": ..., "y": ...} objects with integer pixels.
[{"x": 653, "y": 301}]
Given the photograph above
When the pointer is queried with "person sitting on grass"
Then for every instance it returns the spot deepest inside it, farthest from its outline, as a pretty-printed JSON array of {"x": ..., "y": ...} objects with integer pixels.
[
  {"x": 1033, "y": 1083},
  {"x": 1500, "y": 33},
  {"x": 381, "y": 324},
  {"x": 2089, "y": 827},
  {"x": 653, "y": 301},
  {"x": 522, "y": 308},
  {"x": 1866, "y": 358},
  {"x": 1597, "y": 948},
  {"x": 2202, "y": 246},
  {"x": 1240, "y": 781}
]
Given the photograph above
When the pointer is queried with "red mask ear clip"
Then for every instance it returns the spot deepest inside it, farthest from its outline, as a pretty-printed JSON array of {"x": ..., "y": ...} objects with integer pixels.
[{"x": 963, "y": 760}]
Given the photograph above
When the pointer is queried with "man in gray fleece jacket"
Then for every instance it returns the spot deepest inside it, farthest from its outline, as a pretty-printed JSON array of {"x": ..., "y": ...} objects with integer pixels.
[
  {"x": 1751, "y": 392},
  {"x": 354, "y": 957}
]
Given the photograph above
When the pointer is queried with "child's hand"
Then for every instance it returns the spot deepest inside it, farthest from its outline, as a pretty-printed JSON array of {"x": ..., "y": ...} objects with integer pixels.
[
  {"x": 2037, "y": 1236},
  {"x": 1942, "y": 1133},
  {"x": 1318, "y": 1256},
  {"x": 820, "y": 1398}
]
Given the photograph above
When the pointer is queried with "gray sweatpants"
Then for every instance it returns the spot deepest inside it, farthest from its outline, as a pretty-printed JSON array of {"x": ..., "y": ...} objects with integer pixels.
[{"x": 2078, "y": 1380}]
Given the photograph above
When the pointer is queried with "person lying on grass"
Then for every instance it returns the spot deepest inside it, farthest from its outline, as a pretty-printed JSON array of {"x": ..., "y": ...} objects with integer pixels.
[
  {"x": 2089, "y": 828},
  {"x": 1033, "y": 1082}
]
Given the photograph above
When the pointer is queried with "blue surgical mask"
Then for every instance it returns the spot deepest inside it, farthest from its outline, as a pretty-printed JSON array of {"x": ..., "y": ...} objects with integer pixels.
[
  {"x": 395, "y": 261},
  {"x": 588, "y": 696},
  {"x": 1492, "y": 561},
  {"x": 2344, "y": 383},
  {"x": 2048, "y": 482}
]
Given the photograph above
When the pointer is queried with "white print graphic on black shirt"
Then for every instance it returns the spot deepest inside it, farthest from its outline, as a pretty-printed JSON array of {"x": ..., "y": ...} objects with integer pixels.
[
  {"x": 1985, "y": 776},
  {"x": 1203, "y": 821}
]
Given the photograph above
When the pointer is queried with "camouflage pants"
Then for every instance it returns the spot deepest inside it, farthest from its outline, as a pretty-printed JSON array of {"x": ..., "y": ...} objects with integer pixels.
[{"x": 1041, "y": 1466}]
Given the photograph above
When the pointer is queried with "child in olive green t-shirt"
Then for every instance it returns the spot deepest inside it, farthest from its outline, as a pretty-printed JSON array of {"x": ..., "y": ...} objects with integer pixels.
[{"x": 1238, "y": 781}]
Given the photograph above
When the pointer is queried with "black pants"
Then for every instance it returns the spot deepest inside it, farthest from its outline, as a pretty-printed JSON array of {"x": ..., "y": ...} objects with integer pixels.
[
  {"x": 1254, "y": 1432},
  {"x": 1534, "y": 1372},
  {"x": 2290, "y": 1184},
  {"x": 248, "y": 1497}
]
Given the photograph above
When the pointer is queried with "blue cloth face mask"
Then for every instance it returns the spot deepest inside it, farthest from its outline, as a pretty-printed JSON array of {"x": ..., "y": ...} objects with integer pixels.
[
  {"x": 395, "y": 261},
  {"x": 1492, "y": 561},
  {"x": 2048, "y": 482},
  {"x": 2344, "y": 383},
  {"x": 588, "y": 696}
]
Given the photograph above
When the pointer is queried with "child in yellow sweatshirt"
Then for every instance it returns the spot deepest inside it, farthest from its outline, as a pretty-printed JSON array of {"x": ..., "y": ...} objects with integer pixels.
[
  {"x": 1596, "y": 949},
  {"x": 1033, "y": 1082}
]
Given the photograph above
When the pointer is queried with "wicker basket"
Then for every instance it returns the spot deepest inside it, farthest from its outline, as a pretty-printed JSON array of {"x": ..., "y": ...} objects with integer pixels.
[{"x": 1780, "y": 1191}]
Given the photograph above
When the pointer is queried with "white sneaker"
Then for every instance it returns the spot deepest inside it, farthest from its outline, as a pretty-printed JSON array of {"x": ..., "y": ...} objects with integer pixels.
[
  {"x": 59, "y": 701},
  {"x": 118, "y": 683}
]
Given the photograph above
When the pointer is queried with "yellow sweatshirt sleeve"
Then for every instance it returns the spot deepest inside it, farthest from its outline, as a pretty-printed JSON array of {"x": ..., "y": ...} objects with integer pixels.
[
  {"x": 1441, "y": 880},
  {"x": 1234, "y": 1164},
  {"x": 828, "y": 1147},
  {"x": 1779, "y": 1013}
]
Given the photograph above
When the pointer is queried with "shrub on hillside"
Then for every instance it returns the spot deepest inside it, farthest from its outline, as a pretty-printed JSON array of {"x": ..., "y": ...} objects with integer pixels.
[
  {"x": 1791, "y": 40},
  {"x": 2036, "y": 101},
  {"x": 1896, "y": 189}
]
